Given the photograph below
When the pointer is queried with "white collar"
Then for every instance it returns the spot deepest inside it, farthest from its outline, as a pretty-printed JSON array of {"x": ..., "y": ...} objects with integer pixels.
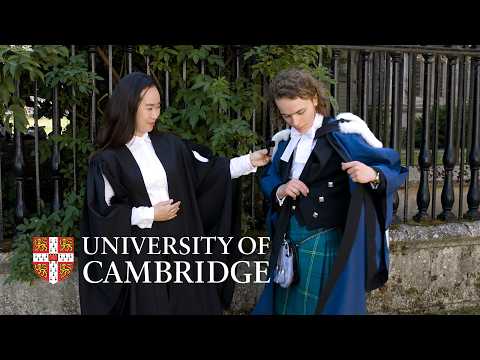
[
  {"x": 310, "y": 133},
  {"x": 307, "y": 137},
  {"x": 139, "y": 139}
]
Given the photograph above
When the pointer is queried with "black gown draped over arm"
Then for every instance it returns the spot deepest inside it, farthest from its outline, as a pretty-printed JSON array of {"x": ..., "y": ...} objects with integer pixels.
[
  {"x": 100, "y": 219},
  {"x": 218, "y": 199},
  {"x": 207, "y": 209}
]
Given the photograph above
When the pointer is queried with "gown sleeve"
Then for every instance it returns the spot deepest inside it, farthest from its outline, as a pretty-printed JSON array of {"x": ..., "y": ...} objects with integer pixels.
[
  {"x": 100, "y": 219},
  {"x": 213, "y": 188},
  {"x": 218, "y": 199},
  {"x": 380, "y": 203}
]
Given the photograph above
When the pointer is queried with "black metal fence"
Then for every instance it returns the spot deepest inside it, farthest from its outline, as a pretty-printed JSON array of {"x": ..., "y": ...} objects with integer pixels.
[
  {"x": 409, "y": 96},
  {"x": 421, "y": 100}
]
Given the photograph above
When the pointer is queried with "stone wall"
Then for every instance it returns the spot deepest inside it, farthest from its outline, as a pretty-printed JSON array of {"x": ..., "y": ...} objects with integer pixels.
[{"x": 432, "y": 268}]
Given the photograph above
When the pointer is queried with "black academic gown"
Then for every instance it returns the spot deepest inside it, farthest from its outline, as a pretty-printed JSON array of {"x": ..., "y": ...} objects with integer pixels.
[{"x": 205, "y": 192}]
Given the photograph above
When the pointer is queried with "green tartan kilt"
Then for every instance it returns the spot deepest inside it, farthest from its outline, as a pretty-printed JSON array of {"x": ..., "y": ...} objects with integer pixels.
[{"x": 316, "y": 253}]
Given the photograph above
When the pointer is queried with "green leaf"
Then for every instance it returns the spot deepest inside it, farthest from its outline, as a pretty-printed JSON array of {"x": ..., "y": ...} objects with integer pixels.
[
  {"x": 198, "y": 85},
  {"x": 4, "y": 94},
  {"x": 8, "y": 82}
]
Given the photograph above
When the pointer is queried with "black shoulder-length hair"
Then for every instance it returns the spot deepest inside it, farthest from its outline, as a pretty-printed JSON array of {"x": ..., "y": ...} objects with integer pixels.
[{"x": 119, "y": 118}]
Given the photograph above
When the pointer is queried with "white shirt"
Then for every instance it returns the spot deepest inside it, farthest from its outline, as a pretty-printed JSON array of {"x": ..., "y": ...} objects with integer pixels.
[
  {"x": 301, "y": 145},
  {"x": 155, "y": 178}
]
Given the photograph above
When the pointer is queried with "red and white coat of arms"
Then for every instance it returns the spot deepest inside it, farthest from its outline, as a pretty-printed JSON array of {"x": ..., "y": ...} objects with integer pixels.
[{"x": 53, "y": 257}]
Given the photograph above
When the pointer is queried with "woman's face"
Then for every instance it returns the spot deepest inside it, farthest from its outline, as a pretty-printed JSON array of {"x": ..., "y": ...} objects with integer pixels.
[
  {"x": 148, "y": 111},
  {"x": 298, "y": 113}
]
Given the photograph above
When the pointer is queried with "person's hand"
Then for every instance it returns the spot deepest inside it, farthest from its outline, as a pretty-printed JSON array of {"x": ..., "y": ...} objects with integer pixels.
[
  {"x": 293, "y": 188},
  {"x": 359, "y": 172},
  {"x": 166, "y": 210},
  {"x": 260, "y": 158}
]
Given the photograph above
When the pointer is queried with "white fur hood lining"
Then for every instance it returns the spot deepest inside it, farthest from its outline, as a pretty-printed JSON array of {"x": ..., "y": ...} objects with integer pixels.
[{"x": 353, "y": 125}]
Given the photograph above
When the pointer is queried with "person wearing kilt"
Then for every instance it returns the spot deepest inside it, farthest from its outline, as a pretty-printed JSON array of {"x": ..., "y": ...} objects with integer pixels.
[{"x": 330, "y": 192}]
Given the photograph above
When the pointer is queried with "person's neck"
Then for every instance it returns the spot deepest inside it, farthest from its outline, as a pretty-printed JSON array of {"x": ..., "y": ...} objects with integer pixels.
[{"x": 139, "y": 134}]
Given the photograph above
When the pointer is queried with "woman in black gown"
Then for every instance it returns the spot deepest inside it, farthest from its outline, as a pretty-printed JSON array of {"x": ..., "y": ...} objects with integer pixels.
[{"x": 142, "y": 183}]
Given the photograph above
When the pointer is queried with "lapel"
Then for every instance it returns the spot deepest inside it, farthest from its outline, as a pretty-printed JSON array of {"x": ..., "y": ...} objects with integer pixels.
[
  {"x": 322, "y": 152},
  {"x": 166, "y": 152},
  {"x": 132, "y": 164},
  {"x": 284, "y": 167}
]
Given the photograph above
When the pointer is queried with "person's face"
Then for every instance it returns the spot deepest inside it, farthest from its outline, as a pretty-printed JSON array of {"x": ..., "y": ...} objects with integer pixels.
[
  {"x": 298, "y": 113},
  {"x": 148, "y": 111}
]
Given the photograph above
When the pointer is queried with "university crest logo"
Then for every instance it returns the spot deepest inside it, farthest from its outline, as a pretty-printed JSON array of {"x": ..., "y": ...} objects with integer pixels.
[{"x": 52, "y": 257}]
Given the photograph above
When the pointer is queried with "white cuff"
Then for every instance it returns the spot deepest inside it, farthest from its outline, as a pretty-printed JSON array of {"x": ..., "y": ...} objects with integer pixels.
[
  {"x": 143, "y": 217},
  {"x": 241, "y": 165},
  {"x": 280, "y": 201}
]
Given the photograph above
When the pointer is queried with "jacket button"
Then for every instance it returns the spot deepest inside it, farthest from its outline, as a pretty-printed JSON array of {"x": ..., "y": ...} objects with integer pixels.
[
  {"x": 315, "y": 215},
  {"x": 330, "y": 184},
  {"x": 321, "y": 199}
]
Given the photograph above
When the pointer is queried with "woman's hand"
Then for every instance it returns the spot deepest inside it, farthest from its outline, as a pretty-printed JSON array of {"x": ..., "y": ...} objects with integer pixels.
[
  {"x": 260, "y": 158},
  {"x": 293, "y": 188},
  {"x": 359, "y": 172},
  {"x": 166, "y": 210}
]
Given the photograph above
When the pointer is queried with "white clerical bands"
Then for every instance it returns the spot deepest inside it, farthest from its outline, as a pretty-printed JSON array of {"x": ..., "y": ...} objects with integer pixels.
[{"x": 302, "y": 142}]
